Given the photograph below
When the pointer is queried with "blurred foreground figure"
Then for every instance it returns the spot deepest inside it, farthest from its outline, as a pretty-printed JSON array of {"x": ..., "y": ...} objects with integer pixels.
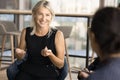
[{"x": 105, "y": 41}]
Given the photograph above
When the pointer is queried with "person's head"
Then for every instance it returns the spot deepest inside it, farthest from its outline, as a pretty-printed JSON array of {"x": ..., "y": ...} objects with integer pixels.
[
  {"x": 42, "y": 14},
  {"x": 105, "y": 31}
]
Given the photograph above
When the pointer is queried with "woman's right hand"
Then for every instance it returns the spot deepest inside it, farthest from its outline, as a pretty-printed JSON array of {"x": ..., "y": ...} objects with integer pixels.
[
  {"x": 84, "y": 73},
  {"x": 20, "y": 53}
]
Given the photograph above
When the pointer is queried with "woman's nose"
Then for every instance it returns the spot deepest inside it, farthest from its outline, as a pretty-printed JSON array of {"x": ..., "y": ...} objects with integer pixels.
[{"x": 43, "y": 17}]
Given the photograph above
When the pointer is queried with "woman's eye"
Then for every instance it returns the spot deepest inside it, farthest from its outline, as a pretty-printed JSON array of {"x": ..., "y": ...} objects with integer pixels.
[
  {"x": 47, "y": 14},
  {"x": 39, "y": 14}
]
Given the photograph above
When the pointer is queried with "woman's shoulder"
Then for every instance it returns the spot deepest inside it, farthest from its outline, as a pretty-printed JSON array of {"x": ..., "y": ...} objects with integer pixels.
[
  {"x": 58, "y": 33},
  {"x": 29, "y": 28},
  {"x": 56, "y": 30}
]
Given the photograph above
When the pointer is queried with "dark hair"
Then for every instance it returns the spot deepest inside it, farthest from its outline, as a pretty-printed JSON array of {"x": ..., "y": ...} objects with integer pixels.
[
  {"x": 106, "y": 27},
  {"x": 119, "y": 5}
]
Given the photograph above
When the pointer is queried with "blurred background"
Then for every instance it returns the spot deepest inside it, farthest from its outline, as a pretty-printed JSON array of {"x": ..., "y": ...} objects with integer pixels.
[{"x": 75, "y": 13}]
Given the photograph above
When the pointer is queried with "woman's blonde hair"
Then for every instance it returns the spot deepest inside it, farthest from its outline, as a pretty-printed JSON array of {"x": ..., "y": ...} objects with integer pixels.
[{"x": 42, "y": 3}]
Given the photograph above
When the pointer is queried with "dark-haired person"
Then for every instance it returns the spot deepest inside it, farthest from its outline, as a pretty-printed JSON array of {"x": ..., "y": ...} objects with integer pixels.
[
  {"x": 92, "y": 67},
  {"x": 105, "y": 41}
]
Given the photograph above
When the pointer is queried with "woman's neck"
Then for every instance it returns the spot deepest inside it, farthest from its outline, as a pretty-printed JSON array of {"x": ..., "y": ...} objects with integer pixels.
[
  {"x": 114, "y": 55},
  {"x": 41, "y": 31}
]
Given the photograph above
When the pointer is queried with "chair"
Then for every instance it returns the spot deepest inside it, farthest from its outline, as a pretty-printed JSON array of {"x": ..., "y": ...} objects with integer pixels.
[
  {"x": 8, "y": 28},
  {"x": 66, "y": 31}
]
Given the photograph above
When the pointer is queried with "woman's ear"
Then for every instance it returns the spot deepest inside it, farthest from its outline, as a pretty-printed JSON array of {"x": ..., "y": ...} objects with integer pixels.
[
  {"x": 91, "y": 36},
  {"x": 93, "y": 41},
  {"x": 94, "y": 44}
]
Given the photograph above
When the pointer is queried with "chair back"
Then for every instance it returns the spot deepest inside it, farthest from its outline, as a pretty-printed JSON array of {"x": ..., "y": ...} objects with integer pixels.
[
  {"x": 9, "y": 26},
  {"x": 66, "y": 30},
  {"x": 2, "y": 29}
]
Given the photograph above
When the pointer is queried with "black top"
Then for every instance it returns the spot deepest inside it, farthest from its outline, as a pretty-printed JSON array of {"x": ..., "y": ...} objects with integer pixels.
[
  {"x": 95, "y": 65},
  {"x": 36, "y": 64}
]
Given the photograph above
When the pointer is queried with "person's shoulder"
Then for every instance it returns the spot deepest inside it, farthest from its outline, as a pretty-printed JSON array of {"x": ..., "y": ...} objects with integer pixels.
[
  {"x": 105, "y": 72},
  {"x": 29, "y": 28},
  {"x": 57, "y": 31}
]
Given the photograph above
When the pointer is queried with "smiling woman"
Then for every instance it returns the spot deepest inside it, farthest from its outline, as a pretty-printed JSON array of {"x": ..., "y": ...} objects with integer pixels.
[{"x": 43, "y": 45}]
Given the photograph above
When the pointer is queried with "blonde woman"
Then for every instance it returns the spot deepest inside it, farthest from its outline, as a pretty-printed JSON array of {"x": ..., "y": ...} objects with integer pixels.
[{"x": 44, "y": 45}]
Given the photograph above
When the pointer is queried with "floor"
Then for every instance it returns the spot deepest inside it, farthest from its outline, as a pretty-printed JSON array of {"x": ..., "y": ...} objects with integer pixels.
[{"x": 3, "y": 75}]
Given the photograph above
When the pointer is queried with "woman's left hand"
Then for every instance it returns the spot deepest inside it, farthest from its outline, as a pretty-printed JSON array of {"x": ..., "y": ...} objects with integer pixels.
[{"x": 46, "y": 52}]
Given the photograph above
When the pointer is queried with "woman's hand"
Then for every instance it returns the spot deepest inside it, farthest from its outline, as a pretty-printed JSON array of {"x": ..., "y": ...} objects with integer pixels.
[
  {"x": 46, "y": 52},
  {"x": 20, "y": 53},
  {"x": 84, "y": 73}
]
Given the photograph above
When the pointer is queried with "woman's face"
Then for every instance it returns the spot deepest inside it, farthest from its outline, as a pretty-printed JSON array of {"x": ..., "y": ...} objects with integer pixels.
[{"x": 43, "y": 17}]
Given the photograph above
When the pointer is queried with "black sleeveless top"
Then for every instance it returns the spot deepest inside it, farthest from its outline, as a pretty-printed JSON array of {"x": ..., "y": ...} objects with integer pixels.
[{"x": 36, "y": 64}]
